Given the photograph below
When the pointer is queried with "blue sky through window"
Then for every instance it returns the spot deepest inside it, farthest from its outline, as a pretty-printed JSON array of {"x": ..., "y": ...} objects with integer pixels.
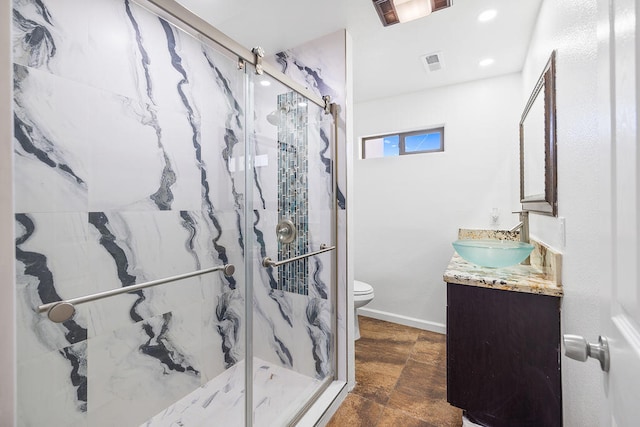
[
  {"x": 391, "y": 145},
  {"x": 422, "y": 142},
  {"x": 402, "y": 143}
]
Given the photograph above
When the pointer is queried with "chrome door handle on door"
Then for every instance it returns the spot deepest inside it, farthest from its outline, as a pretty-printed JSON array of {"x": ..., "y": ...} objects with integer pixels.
[
  {"x": 268, "y": 262},
  {"x": 576, "y": 347}
]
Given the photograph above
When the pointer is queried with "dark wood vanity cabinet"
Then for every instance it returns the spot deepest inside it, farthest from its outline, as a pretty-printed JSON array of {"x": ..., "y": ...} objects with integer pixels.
[{"x": 503, "y": 356}]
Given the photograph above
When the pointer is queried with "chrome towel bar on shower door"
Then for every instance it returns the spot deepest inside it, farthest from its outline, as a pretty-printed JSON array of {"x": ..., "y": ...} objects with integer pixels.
[
  {"x": 60, "y": 311},
  {"x": 268, "y": 262}
]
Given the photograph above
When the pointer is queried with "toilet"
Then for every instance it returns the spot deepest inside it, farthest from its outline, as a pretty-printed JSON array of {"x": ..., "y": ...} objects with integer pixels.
[{"x": 362, "y": 295}]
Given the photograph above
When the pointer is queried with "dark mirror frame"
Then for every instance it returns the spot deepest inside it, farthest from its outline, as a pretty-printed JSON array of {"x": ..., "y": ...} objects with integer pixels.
[{"x": 547, "y": 86}]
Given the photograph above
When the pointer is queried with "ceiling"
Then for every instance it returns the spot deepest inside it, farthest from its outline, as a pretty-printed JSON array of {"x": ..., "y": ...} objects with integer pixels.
[{"x": 386, "y": 60}]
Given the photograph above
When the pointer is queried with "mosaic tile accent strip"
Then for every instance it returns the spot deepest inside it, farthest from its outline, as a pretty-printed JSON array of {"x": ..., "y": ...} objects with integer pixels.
[{"x": 293, "y": 190}]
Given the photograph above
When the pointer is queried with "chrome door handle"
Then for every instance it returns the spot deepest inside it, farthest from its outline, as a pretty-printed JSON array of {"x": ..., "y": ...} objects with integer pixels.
[
  {"x": 61, "y": 311},
  {"x": 576, "y": 347},
  {"x": 268, "y": 262}
]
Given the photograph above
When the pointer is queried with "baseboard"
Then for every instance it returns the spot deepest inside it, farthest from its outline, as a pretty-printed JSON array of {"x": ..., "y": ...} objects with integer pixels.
[{"x": 403, "y": 320}]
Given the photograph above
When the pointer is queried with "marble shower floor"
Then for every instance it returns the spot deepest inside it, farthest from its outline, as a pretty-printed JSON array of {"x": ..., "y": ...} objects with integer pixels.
[
  {"x": 400, "y": 379},
  {"x": 277, "y": 394}
]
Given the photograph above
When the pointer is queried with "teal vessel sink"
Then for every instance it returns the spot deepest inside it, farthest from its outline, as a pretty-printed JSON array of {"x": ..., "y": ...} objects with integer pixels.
[{"x": 493, "y": 253}]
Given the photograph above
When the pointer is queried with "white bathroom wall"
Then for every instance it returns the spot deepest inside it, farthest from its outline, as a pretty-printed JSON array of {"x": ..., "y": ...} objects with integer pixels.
[
  {"x": 583, "y": 197},
  {"x": 407, "y": 209},
  {"x": 7, "y": 275}
]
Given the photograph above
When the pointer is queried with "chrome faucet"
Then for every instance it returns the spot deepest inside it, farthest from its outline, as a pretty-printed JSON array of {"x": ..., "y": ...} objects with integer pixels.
[{"x": 523, "y": 226}]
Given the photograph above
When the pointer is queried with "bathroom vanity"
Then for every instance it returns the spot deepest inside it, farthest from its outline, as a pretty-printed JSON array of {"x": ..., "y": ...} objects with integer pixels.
[{"x": 503, "y": 340}]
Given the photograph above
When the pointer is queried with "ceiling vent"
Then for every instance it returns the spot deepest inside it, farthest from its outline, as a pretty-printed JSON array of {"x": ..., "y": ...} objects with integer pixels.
[{"x": 432, "y": 61}]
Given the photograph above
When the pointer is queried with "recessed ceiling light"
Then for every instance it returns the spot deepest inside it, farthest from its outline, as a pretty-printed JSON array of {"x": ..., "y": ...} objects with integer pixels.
[
  {"x": 487, "y": 15},
  {"x": 486, "y": 62},
  {"x": 396, "y": 11},
  {"x": 408, "y": 10},
  {"x": 265, "y": 83}
]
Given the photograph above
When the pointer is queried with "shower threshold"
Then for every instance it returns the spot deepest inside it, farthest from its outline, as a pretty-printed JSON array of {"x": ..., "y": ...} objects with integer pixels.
[{"x": 278, "y": 395}]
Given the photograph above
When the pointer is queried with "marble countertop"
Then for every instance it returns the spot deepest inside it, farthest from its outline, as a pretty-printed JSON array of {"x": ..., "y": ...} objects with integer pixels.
[{"x": 542, "y": 277}]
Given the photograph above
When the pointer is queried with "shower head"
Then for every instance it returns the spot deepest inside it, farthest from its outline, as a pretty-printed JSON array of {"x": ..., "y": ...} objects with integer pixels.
[{"x": 273, "y": 118}]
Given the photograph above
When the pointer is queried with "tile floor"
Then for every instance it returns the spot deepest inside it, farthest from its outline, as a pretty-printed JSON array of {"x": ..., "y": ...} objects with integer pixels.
[{"x": 400, "y": 379}]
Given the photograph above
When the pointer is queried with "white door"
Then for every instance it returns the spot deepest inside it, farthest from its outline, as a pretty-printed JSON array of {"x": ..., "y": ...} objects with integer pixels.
[{"x": 622, "y": 319}]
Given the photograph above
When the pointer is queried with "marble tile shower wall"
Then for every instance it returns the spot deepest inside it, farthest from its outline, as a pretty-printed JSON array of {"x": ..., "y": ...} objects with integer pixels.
[
  {"x": 320, "y": 65},
  {"x": 123, "y": 126},
  {"x": 290, "y": 329}
]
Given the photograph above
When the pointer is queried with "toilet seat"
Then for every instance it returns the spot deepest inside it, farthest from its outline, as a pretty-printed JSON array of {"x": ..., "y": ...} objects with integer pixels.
[
  {"x": 361, "y": 289},
  {"x": 362, "y": 295}
]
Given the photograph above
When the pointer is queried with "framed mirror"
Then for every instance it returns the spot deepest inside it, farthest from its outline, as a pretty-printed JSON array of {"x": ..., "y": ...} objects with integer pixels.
[{"x": 538, "y": 156}]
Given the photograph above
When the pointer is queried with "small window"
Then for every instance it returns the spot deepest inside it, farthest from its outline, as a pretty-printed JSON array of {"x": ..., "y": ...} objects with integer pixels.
[{"x": 403, "y": 143}]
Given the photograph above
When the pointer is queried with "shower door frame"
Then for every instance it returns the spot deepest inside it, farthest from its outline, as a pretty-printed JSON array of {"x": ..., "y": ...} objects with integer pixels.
[{"x": 207, "y": 34}]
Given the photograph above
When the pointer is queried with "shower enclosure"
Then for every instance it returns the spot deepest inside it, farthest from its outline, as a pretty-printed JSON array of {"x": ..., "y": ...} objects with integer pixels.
[{"x": 175, "y": 224}]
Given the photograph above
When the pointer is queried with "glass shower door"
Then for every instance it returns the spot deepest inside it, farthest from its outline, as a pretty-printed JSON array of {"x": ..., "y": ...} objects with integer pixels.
[
  {"x": 127, "y": 142},
  {"x": 293, "y": 256}
]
